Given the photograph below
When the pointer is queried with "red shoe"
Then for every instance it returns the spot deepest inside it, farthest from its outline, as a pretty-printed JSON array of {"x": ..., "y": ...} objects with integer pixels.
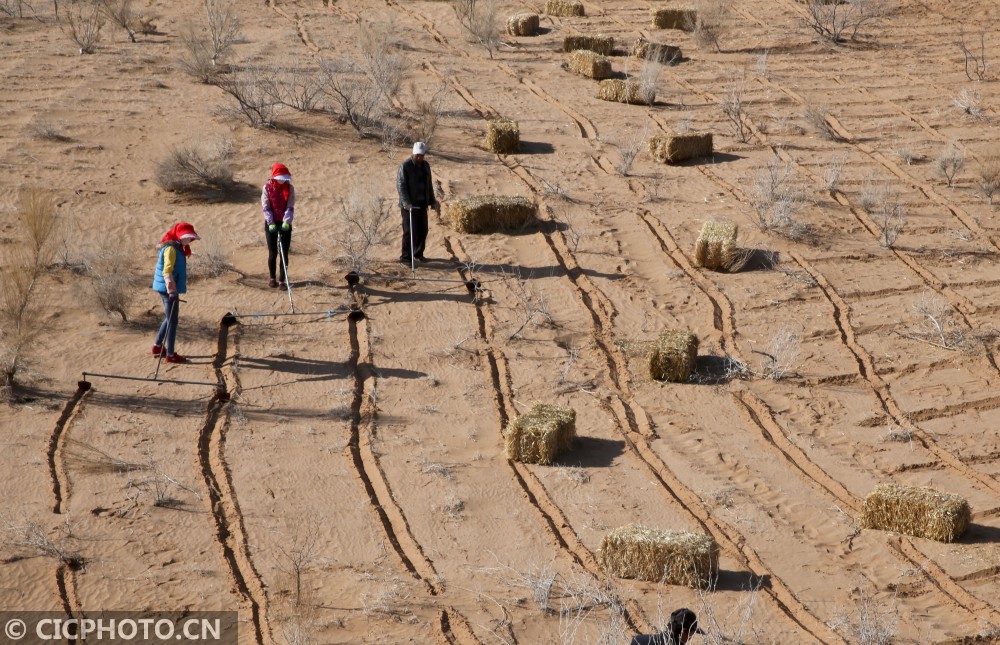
[
  {"x": 272, "y": 283},
  {"x": 157, "y": 350},
  {"x": 176, "y": 358}
]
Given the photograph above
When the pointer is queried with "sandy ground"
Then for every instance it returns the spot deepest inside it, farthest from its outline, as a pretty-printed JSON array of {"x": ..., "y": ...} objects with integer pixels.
[{"x": 354, "y": 488}]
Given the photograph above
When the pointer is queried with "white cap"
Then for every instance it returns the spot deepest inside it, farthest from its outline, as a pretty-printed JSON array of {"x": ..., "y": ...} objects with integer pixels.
[
  {"x": 419, "y": 148},
  {"x": 283, "y": 177}
]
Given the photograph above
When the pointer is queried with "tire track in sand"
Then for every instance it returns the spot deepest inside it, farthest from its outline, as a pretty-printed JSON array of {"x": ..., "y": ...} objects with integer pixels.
[
  {"x": 57, "y": 466},
  {"x": 230, "y": 530}
]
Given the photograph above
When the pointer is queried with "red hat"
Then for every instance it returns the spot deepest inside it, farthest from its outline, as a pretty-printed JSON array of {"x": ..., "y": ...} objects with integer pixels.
[{"x": 280, "y": 171}]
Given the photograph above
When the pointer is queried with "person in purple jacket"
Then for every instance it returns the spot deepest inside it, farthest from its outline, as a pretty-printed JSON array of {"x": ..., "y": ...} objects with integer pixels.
[{"x": 278, "y": 202}]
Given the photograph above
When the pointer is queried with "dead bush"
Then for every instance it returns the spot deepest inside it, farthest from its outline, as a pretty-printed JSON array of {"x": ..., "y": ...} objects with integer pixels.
[
  {"x": 975, "y": 56},
  {"x": 780, "y": 355},
  {"x": 709, "y": 22},
  {"x": 733, "y": 107},
  {"x": 629, "y": 145},
  {"x": 481, "y": 22},
  {"x": 426, "y": 112},
  {"x": 818, "y": 116},
  {"x": 839, "y": 21},
  {"x": 47, "y": 131},
  {"x": 299, "y": 89},
  {"x": 949, "y": 163},
  {"x": 21, "y": 315},
  {"x": 890, "y": 217},
  {"x": 111, "y": 277},
  {"x": 777, "y": 200},
  {"x": 356, "y": 98},
  {"x": 254, "y": 88},
  {"x": 189, "y": 170},
  {"x": 364, "y": 225},
  {"x": 37, "y": 214},
  {"x": 84, "y": 22},
  {"x": 196, "y": 58},
  {"x": 989, "y": 177},
  {"x": 968, "y": 100},
  {"x": 120, "y": 12},
  {"x": 223, "y": 27},
  {"x": 382, "y": 60}
]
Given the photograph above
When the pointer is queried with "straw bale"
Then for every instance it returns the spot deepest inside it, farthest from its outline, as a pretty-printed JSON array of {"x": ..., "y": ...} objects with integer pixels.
[
  {"x": 715, "y": 247},
  {"x": 920, "y": 512},
  {"x": 503, "y": 136},
  {"x": 598, "y": 43},
  {"x": 490, "y": 212},
  {"x": 673, "y": 18},
  {"x": 675, "y": 557},
  {"x": 656, "y": 52},
  {"x": 622, "y": 91},
  {"x": 673, "y": 356},
  {"x": 589, "y": 64},
  {"x": 523, "y": 24},
  {"x": 563, "y": 7},
  {"x": 541, "y": 434},
  {"x": 673, "y": 148}
]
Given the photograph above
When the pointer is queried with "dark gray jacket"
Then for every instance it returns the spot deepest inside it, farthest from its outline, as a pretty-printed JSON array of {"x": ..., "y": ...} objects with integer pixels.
[{"x": 415, "y": 185}]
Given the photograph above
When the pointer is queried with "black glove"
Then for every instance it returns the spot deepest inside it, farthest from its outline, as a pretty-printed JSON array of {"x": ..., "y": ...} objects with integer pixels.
[{"x": 173, "y": 297}]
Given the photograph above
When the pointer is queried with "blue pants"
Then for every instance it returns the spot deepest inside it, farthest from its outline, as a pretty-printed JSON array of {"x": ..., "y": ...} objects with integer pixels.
[{"x": 168, "y": 328}]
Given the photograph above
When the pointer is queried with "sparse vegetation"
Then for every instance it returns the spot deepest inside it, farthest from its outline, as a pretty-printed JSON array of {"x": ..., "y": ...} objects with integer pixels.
[
  {"x": 733, "y": 107},
  {"x": 975, "y": 56},
  {"x": 84, "y": 22},
  {"x": 112, "y": 279},
  {"x": 838, "y": 20},
  {"x": 29, "y": 539},
  {"x": 989, "y": 177},
  {"x": 253, "y": 89},
  {"x": 121, "y": 13},
  {"x": 709, "y": 23},
  {"x": 190, "y": 170},
  {"x": 777, "y": 200},
  {"x": 818, "y": 117},
  {"x": 780, "y": 354},
  {"x": 949, "y": 163},
  {"x": 968, "y": 100},
  {"x": 629, "y": 145},
  {"x": 834, "y": 168},
  {"x": 223, "y": 28},
  {"x": 363, "y": 222},
  {"x": 481, "y": 22}
]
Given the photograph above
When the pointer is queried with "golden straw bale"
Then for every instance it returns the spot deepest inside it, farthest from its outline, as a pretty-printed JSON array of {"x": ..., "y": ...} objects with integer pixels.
[
  {"x": 564, "y": 7},
  {"x": 599, "y": 43},
  {"x": 523, "y": 24},
  {"x": 715, "y": 247},
  {"x": 541, "y": 434},
  {"x": 589, "y": 64},
  {"x": 623, "y": 91},
  {"x": 673, "y": 18},
  {"x": 674, "y": 557},
  {"x": 920, "y": 512},
  {"x": 656, "y": 52},
  {"x": 673, "y": 356},
  {"x": 490, "y": 212},
  {"x": 503, "y": 136},
  {"x": 673, "y": 148}
]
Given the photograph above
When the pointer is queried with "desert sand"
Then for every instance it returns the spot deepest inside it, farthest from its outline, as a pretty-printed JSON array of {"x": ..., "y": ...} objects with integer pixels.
[{"x": 351, "y": 485}]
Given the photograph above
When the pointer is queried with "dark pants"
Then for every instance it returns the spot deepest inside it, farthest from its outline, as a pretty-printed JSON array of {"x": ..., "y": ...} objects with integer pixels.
[
  {"x": 419, "y": 232},
  {"x": 168, "y": 328},
  {"x": 272, "y": 249}
]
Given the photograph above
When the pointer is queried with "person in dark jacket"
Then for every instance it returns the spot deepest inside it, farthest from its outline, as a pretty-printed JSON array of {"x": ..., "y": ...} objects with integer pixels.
[
  {"x": 683, "y": 624},
  {"x": 278, "y": 203},
  {"x": 415, "y": 186},
  {"x": 170, "y": 281}
]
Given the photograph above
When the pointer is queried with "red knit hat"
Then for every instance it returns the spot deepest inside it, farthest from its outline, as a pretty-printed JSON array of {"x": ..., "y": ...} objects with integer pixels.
[{"x": 280, "y": 171}]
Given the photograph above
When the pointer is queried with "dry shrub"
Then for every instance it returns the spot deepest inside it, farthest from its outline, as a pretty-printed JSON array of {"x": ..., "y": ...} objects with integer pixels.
[
  {"x": 659, "y": 52},
  {"x": 989, "y": 177},
  {"x": 223, "y": 27},
  {"x": 564, "y": 8},
  {"x": 671, "y": 557},
  {"x": 523, "y": 24},
  {"x": 112, "y": 278},
  {"x": 920, "y": 512},
  {"x": 254, "y": 89},
  {"x": 84, "y": 22},
  {"x": 715, "y": 247},
  {"x": 709, "y": 23},
  {"x": 21, "y": 315},
  {"x": 590, "y": 64},
  {"x": 673, "y": 148},
  {"x": 213, "y": 258},
  {"x": 949, "y": 163},
  {"x": 47, "y": 131},
  {"x": 490, "y": 212},
  {"x": 121, "y": 13},
  {"x": 480, "y": 20},
  {"x": 598, "y": 43},
  {"x": 196, "y": 58},
  {"x": 838, "y": 21},
  {"x": 818, "y": 116},
  {"x": 502, "y": 136},
  {"x": 629, "y": 146},
  {"x": 363, "y": 222},
  {"x": 425, "y": 113},
  {"x": 777, "y": 201},
  {"x": 623, "y": 91},
  {"x": 37, "y": 216},
  {"x": 674, "y": 355},
  {"x": 540, "y": 435},
  {"x": 673, "y": 18},
  {"x": 189, "y": 170}
]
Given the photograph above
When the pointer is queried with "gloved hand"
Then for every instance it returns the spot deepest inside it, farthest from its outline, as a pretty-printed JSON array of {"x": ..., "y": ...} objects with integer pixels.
[
  {"x": 285, "y": 226},
  {"x": 172, "y": 297},
  {"x": 271, "y": 228}
]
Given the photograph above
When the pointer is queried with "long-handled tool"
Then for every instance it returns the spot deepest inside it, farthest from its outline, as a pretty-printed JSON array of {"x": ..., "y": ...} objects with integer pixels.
[
  {"x": 413, "y": 258},
  {"x": 353, "y": 278},
  {"x": 284, "y": 268},
  {"x": 353, "y": 313}
]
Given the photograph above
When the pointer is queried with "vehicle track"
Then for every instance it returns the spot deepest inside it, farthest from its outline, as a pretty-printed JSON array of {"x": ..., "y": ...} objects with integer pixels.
[
  {"x": 300, "y": 26},
  {"x": 230, "y": 530}
]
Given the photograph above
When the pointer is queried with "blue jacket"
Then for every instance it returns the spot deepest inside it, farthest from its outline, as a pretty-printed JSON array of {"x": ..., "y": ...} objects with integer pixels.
[{"x": 180, "y": 270}]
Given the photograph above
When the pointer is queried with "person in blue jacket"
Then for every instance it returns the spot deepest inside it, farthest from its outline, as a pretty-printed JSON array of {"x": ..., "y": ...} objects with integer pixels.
[{"x": 170, "y": 280}]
